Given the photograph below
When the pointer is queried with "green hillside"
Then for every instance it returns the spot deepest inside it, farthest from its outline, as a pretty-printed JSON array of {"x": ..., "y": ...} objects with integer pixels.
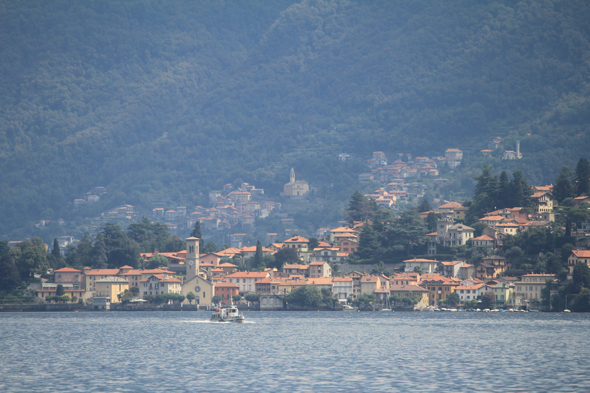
[{"x": 248, "y": 89}]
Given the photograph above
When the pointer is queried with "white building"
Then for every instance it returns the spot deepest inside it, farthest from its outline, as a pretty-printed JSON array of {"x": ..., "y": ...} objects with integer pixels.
[
  {"x": 342, "y": 286},
  {"x": 426, "y": 265},
  {"x": 246, "y": 280}
]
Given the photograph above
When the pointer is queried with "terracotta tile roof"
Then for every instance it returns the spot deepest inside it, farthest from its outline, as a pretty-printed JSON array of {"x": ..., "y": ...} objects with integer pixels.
[
  {"x": 319, "y": 263},
  {"x": 226, "y": 285},
  {"x": 581, "y": 253},
  {"x": 539, "y": 194},
  {"x": 103, "y": 272},
  {"x": 67, "y": 270},
  {"x": 469, "y": 287},
  {"x": 343, "y": 229},
  {"x": 295, "y": 266},
  {"x": 421, "y": 260},
  {"x": 320, "y": 281},
  {"x": 297, "y": 239},
  {"x": 408, "y": 288},
  {"x": 450, "y": 205},
  {"x": 483, "y": 238},
  {"x": 342, "y": 279},
  {"x": 492, "y": 218},
  {"x": 247, "y": 275},
  {"x": 253, "y": 249}
]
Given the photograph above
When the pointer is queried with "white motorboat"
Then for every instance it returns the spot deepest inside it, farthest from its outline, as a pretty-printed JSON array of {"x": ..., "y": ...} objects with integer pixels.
[
  {"x": 231, "y": 314},
  {"x": 346, "y": 307}
]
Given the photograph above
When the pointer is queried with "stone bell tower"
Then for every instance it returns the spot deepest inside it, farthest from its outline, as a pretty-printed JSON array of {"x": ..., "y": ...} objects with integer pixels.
[
  {"x": 192, "y": 257},
  {"x": 292, "y": 176}
]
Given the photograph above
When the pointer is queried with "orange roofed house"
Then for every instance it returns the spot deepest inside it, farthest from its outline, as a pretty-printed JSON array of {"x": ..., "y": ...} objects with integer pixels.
[
  {"x": 577, "y": 256},
  {"x": 319, "y": 269},
  {"x": 439, "y": 287}
]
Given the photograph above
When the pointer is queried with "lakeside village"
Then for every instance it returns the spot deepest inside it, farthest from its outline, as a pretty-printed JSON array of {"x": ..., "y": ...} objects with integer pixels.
[
  {"x": 516, "y": 256},
  {"x": 324, "y": 278}
]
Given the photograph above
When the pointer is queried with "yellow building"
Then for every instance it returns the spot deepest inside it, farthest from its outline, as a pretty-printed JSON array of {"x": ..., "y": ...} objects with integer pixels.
[
  {"x": 93, "y": 275},
  {"x": 111, "y": 287},
  {"x": 369, "y": 284},
  {"x": 440, "y": 287},
  {"x": 295, "y": 188}
]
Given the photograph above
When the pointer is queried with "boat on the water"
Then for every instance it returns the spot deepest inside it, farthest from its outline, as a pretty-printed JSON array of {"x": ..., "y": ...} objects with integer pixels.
[
  {"x": 231, "y": 314},
  {"x": 346, "y": 307}
]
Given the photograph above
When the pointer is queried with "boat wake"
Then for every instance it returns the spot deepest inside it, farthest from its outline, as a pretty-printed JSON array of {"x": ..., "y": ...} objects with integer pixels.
[{"x": 216, "y": 322}]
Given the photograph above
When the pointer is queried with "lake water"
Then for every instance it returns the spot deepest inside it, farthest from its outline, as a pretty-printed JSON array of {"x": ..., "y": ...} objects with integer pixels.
[{"x": 294, "y": 351}]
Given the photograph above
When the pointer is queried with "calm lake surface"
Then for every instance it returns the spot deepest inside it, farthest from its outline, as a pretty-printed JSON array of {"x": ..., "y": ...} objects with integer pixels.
[{"x": 289, "y": 351}]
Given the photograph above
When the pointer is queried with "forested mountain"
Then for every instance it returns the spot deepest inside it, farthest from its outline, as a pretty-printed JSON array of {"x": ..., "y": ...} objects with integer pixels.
[{"x": 183, "y": 97}]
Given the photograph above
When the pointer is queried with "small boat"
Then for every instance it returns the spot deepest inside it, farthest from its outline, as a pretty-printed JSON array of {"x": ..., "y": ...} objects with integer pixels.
[
  {"x": 566, "y": 310},
  {"x": 385, "y": 310},
  {"x": 346, "y": 307},
  {"x": 227, "y": 315}
]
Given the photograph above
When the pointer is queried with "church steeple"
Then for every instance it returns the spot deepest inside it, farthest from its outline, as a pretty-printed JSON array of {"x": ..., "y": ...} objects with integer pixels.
[
  {"x": 292, "y": 176},
  {"x": 192, "y": 257}
]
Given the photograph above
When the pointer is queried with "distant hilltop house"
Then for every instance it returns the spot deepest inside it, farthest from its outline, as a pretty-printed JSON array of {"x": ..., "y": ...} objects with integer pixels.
[
  {"x": 511, "y": 155},
  {"x": 379, "y": 160},
  {"x": 495, "y": 143},
  {"x": 295, "y": 187},
  {"x": 344, "y": 157},
  {"x": 453, "y": 157}
]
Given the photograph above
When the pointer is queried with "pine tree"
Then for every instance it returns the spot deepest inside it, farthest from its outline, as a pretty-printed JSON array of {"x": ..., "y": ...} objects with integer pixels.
[
  {"x": 583, "y": 177},
  {"x": 520, "y": 192},
  {"x": 99, "y": 253},
  {"x": 360, "y": 208},
  {"x": 369, "y": 244},
  {"x": 424, "y": 206},
  {"x": 9, "y": 275}
]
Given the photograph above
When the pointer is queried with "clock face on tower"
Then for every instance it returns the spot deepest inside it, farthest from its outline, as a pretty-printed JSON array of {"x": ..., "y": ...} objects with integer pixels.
[
  {"x": 190, "y": 263},
  {"x": 197, "y": 289}
]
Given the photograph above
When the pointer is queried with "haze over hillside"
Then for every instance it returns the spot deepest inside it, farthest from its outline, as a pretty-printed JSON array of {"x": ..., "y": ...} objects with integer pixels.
[{"x": 183, "y": 97}]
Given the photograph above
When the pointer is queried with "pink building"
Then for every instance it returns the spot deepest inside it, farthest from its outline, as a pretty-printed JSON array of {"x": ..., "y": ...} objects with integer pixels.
[{"x": 67, "y": 275}]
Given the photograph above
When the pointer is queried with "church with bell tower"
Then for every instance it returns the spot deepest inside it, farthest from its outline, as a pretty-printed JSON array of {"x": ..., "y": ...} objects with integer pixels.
[
  {"x": 196, "y": 281},
  {"x": 295, "y": 187}
]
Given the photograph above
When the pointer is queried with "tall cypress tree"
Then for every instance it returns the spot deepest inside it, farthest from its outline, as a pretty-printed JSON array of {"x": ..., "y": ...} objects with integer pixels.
[
  {"x": 502, "y": 199},
  {"x": 56, "y": 260},
  {"x": 259, "y": 257},
  {"x": 196, "y": 232}
]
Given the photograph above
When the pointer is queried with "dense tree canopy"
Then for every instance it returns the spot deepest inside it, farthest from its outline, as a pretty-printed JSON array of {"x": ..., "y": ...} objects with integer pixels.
[{"x": 171, "y": 100}]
